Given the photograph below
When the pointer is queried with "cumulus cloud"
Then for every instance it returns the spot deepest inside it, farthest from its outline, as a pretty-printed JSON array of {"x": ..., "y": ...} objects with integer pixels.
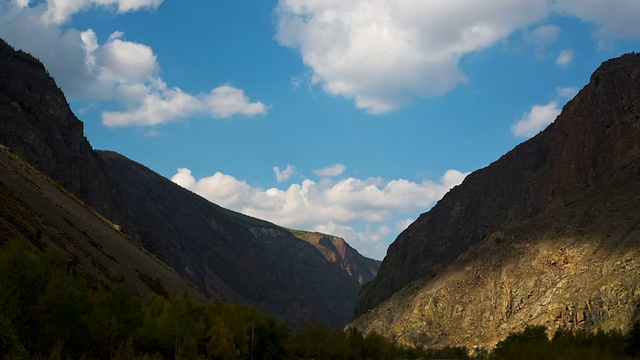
[
  {"x": 383, "y": 53},
  {"x": 160, "y": 104},
  {"x": 361, "y": 210},
  {"x": 119, "y": 70},
  {"x": 329, "y": 171},
  {"x": 565, "y": 57},
  {"x": 535, "y": 120},
  {"x": 284, "y": 174}
]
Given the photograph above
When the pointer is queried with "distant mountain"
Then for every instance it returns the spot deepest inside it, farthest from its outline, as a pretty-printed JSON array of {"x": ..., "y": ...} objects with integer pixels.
[
  {"x": 549, "y": 234},
  {"x": 237, "y": 257},
  {"x": 231, "y": 256}
]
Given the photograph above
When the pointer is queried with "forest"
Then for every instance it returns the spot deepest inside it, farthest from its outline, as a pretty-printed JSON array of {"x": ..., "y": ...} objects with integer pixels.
[{"x": 50, "y": 309}]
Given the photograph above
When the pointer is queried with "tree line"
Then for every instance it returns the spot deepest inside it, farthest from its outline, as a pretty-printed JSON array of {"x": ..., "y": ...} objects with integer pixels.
[{"x": 49, "y": 310}]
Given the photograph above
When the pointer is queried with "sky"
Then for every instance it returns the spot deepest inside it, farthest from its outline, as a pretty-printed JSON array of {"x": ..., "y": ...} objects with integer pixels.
[{"x": 345, "y": 117}]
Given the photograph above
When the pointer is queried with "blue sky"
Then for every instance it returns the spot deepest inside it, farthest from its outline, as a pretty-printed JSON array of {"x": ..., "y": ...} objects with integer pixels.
[{"x": 346, "y": 117}]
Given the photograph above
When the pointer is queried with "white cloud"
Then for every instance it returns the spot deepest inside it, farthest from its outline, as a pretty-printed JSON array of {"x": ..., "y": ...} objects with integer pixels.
[
  {"x": 284, "y": 174},
  {"x": 361, "y": 210},
  {"x": 615, "y": 19},
  {"x": 401, "y": 225},
  {"x": 120, "y": 70},
  {"x": 333, "y": 170},
  {"x": 226, "y": 101},
  {"x": 184, "y": 178},
  {"x": 542, "y": 115},
  {"x": 535, "y": 120},
  {"x": 60, "y": 11},
  {"x": 565, "y": 57},
  {"x": 124, "y": 61},
  {"x": 544, "y": 35},
  {"x": 160, "y": 104},
  {"x": 541, "y": 37},
  {"x": 381, "y": 53},
  {"x": 20, "y": 4},
  {"x": 567, "y": 92}
]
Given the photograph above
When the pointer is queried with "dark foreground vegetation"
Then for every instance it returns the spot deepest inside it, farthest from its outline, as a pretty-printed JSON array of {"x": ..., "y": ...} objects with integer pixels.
[{"x": 50, "y": 310}]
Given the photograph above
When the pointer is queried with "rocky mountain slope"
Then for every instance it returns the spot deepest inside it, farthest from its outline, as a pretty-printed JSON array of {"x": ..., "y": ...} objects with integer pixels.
[
  {"x": 548, "y": 234},
  {"x": 37, "y": 208},
  {"x": 231, "y": 256}
]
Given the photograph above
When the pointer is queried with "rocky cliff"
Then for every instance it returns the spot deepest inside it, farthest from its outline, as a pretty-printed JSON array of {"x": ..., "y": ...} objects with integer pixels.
[
  {"x": 548, "y": 234},
  {"x": 231, "y": 256}
]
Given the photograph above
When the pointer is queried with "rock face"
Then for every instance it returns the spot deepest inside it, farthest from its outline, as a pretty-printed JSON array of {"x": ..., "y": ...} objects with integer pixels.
[
  {"x": 548, "y": 234},
  {"x": 231, "y": 256},
  {"x": 37, "y": 124}
]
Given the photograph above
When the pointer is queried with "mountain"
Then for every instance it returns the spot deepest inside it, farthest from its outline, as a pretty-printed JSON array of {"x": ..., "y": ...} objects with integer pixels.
[
  {"x": 239, "y": 258},
  {"x": 547, "y": 235},
  {"x": 229, "y": 255}
]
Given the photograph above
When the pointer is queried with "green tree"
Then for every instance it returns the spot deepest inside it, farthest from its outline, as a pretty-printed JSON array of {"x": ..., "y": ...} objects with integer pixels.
[
  {"x": 115, "y": 317},
  {"x": 41, "y": 302},
  {"x": 227, "y": 336}
]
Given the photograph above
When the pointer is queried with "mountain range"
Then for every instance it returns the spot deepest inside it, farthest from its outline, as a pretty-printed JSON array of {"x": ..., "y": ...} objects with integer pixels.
[
  {"x": 294, "y": 275},
  {"x": 549, "y": 234}
]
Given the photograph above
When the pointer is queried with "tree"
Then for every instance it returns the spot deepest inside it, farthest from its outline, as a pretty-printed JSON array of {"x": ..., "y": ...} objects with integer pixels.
[{"x": 115, "y": 317}]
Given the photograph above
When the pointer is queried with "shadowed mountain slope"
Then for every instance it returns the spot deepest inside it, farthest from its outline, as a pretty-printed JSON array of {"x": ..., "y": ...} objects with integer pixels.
[
  {"x": 37, "y": 208},
  {"x": 237, "y": 257},
  {"x": 548, "y": 234},
  {"x": 231, "y": 256}
]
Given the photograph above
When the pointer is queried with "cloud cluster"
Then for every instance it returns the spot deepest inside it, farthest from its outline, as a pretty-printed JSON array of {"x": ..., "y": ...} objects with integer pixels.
[
  {"x": 541, "y": 115},
  {"x": 381, "y": 53},
  {"x": 120, "y": 70},
  {"x": 360, "y": 210}
]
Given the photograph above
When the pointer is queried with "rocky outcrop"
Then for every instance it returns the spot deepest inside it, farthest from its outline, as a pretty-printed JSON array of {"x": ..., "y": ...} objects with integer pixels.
[
  {"x": 38, "y": 125},
  {"x": 344, "y": 258},
  {"x": 231, "y": 256},
  {"x": 546, "y": 235}
]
